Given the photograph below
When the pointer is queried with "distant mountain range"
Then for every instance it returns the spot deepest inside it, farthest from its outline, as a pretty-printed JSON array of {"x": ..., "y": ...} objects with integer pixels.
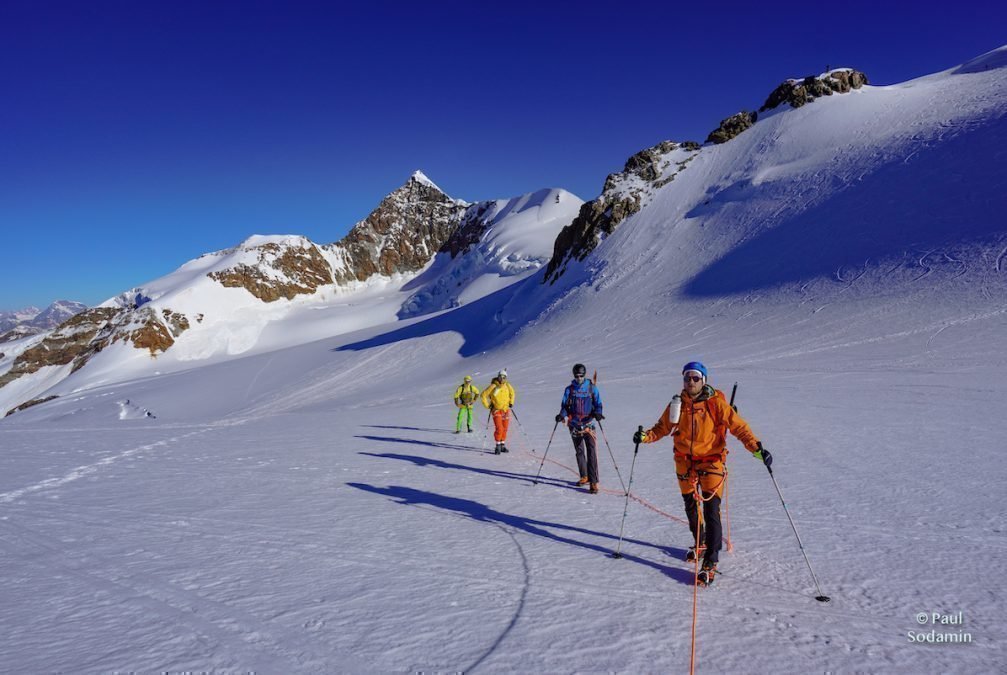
[{"x": 32, "y": 320}]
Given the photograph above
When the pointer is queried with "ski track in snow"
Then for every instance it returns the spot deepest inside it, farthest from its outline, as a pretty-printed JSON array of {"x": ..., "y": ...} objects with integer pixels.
[{"x": 88, "y": 469}]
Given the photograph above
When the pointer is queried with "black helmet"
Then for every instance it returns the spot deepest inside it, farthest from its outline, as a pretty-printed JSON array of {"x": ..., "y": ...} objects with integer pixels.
[{"x": 580, "y": 369}]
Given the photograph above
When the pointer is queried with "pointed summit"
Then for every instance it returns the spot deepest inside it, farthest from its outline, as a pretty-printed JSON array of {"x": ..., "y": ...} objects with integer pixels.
[
  {"x": 422, "y": 179},
  {"x": 401, "y": 234}
]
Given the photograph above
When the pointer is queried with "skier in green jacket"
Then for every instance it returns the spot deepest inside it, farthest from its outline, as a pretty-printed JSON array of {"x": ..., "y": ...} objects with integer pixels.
[{"x": 465, "y": 395}]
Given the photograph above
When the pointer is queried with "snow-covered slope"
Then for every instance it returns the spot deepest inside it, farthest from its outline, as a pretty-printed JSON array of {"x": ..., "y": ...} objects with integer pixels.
[
  {"x": 497, "y": 243},
  {"x": 845, "y": 262},
  {"x": 278, "y": 291}
]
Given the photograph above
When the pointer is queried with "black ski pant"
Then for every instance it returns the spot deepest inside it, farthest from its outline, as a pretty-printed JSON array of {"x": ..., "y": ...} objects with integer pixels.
[
  {"x": 713, "y": 533},
  {"x": 587, "y": 453}
]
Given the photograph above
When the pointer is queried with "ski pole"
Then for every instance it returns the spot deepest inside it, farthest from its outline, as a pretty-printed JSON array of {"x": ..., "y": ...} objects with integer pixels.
[
  {"x": 612, "y": 455},
  {"x": 524, "y": 433},
  {"x": 618, "y": 550},
  {"x": 821, "y": 597},
  {"x": 727, "y": 503},
  {"x": 545, "y": 454},
  {"x": 486, "y": 429}
]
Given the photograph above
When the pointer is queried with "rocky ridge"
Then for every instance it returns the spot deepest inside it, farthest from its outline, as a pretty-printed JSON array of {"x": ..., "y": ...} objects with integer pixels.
[
  {"x": 278, "y": 271},
  {"x": 623, "y": 195},
  {"x": 401, "y": 235},
  {"x": 85, "y": 334},
  {"x": 798, "y": 92}
]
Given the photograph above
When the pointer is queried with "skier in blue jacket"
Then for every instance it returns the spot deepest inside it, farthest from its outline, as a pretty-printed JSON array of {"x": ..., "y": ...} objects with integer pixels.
[{"x": 582, "y": 406}]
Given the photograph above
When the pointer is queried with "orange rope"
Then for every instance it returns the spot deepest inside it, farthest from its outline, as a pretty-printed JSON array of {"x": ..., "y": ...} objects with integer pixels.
[
  {"x": 727, "y": 513},
  {"x": 698, "y": 496},
  {"x": 632, "y": 495}
]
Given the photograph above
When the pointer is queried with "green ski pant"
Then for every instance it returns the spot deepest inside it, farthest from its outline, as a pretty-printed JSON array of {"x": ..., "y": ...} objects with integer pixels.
[{"x": 462, "y": 412}]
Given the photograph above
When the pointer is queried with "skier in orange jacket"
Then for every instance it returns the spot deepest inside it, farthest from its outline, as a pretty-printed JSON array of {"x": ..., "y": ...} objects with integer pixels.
[{"x": 699, "y": 419}]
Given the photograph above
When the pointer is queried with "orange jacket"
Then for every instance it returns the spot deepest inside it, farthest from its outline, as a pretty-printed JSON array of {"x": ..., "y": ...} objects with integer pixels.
[{"x": 698, "y": 433}]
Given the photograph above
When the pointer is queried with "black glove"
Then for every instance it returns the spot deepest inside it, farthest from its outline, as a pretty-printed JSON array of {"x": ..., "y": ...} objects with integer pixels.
[
  {"x": 598, "y": 416},
  {"x": 639, "y": 436},
  {"x": 764, "y": 455},
  {"x": 511, "y": 405},
  {"x": 559, "y": 418}
]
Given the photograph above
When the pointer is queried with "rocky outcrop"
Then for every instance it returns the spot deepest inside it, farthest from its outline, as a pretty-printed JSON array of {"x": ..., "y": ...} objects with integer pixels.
[
  {"x": 281, "y": 271},
  {"x": 799, "y": 92},
  {"x": 145, "y": 330},
  {"x": 71, "y": 342},
  {"x": 623, "y": 195},
  {"x": 402, "y": 234},
  {"x": 732, "y": 126},
  {"x": 29, "y": 404},
  {"x": 469, "y": 231},
  {"x": 794, "y": 92},
  {"x": 82, "y": 336}
]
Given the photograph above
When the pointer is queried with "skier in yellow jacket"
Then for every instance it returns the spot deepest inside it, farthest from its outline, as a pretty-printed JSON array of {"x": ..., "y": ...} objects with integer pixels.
[
  {"x": 465, "y": 395},
  {"x": 499, "y": 398}
]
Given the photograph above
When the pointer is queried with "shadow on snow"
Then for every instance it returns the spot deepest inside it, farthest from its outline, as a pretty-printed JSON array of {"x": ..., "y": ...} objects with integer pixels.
[
  {"x": 484, "y": 514},
  {"x": 495, "y": 473}
]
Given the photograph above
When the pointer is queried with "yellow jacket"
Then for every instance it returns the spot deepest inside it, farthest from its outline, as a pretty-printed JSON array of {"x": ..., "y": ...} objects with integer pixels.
[
  {"x": 499, "y": 396},
  {"x": 466, "y": 395}
]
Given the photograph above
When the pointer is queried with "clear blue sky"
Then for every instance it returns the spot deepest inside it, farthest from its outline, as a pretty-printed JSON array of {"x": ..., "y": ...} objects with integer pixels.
[{"x": 137, "y": 135}]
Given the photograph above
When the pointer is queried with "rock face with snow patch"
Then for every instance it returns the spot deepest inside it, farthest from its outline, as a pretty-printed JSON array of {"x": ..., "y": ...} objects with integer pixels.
[
  {"x": 82, "y": 336},
  {"x": 732, "y": 126},
  {"x": 799, "y": 92},
  {"x": 72, "y": 342},
  {"x": 623, "y": 195},
  {"x": 401, "y": 235},
  {"x": 279, "y": 271}
]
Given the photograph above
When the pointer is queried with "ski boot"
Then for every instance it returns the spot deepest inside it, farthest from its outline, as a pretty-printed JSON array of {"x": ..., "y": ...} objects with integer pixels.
[
  {"x": 708, "y": 573},
  {"x": 583, "y": 480},
  {"x": 690, "y": 555},
  {"x": 496, "y": 450},
  {"x": 593, "y": 489},
  {"x": 503, "y": 448},
  {"x": 470, "y": 430}
]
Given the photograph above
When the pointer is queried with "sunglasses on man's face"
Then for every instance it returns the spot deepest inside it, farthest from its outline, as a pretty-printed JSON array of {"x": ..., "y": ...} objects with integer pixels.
[
  {"x": 579, "y": 377},
  {"x": 692, "y": 378}
]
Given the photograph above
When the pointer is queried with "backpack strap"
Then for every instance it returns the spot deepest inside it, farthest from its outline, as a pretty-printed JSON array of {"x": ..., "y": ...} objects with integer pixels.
[{"x": 719, "y": 426}]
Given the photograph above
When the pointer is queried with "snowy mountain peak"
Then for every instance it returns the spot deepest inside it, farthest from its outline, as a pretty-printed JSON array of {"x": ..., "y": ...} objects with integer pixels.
[
  {"x": 421, "y": 178},
  {"x": 400, "y": 236}
]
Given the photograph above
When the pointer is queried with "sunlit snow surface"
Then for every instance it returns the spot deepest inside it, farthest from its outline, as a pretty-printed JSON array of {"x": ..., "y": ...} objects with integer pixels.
[{"x": 306, "y": 508}]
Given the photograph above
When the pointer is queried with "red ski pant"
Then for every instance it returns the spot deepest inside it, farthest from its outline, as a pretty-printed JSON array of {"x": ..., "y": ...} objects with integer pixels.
[{"x": 501, "y": 420}]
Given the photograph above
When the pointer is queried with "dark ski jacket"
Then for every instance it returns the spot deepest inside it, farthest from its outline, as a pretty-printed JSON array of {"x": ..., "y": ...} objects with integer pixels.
[{"x": 580, "y": 401}]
